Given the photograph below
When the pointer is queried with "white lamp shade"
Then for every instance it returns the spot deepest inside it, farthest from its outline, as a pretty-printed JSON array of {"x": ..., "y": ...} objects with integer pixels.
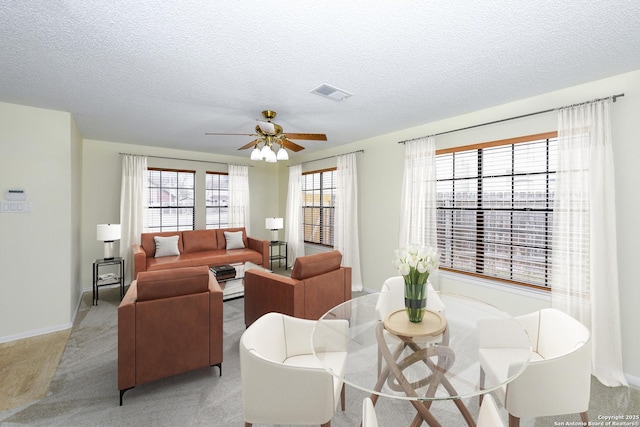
[
  {"x": 108, "y": 232},
  {"x": 282, "y": 154},
  {"x": 274, "y": 223},
  {"x": 255, "y": 154}
]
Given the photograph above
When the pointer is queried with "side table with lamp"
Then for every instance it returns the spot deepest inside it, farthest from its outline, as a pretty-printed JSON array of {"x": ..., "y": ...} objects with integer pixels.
[
  {"x": 275, "y": 224},
  {"x": 107, "y": 233}
]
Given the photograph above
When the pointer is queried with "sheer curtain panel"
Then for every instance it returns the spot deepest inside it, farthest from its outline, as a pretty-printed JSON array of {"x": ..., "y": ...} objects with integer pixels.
[
  {"x": 345, "y": 224},
  {"x": 133, "y": 204},
  {"x": 293, "y": 234},
  {"x": 239, "y": 197},
  {"x": 585, "y": 270},
  {"x": 418, "y": 198}
]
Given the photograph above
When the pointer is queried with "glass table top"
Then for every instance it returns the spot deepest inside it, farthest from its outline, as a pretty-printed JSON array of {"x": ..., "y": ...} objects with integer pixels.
[{"x": 432, "y": 366}]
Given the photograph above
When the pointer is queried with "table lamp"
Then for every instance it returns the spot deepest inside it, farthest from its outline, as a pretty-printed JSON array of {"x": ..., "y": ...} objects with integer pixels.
[
  {"x": 274, "y": 224},
  {"x": 108, "y": 233}
]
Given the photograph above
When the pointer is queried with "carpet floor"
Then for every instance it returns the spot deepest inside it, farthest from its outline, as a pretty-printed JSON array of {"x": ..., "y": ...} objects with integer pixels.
[{"x": 83, "y": 391}]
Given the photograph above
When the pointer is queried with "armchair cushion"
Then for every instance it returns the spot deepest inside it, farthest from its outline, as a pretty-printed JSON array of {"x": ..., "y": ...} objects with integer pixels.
[
  {"x": 171, "y": 283},
  {"x": 316, "y": 264}
]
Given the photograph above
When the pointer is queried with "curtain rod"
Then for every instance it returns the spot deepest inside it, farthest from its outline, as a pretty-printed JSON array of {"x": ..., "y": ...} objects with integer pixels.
[
  {"x": 186, "y": 160},
  {"x": 614, "y": 97},
  {"x": 328, "y": 157}
]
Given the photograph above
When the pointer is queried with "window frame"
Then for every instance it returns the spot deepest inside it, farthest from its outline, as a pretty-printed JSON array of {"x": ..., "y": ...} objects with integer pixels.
[
  {"x": 164, "y": 208},
  {"x": 324, "y": 231},
  {"x": 219, "y": 207},
  {"x": 480, "y": 242}
]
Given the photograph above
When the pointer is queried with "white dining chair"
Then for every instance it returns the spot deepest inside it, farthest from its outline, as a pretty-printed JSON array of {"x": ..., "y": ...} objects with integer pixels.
[
  {"x": 557, "y": 379},
  {"x": 369, "y": 418},
  {"x": 283, "y": 381},
  {"x": 489, "y": 415}
]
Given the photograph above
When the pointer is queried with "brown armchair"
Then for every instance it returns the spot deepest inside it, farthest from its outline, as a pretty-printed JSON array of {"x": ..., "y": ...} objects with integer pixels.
[
  {"x": 169, "y": 322},
  {"x": 318, "y": 283}
]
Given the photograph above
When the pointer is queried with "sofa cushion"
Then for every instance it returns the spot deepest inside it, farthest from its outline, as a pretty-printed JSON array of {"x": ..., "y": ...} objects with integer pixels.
[
  {"x": 148, "y": 242},
  {"x": 222, "y": 241},
  {"x": 199, "y": 240},
  {"x": 233, "y": 240},
  {"x": 170, "y": 283},
  {"x": 312, "y": 265},
  {"x": 166, "y": 246}
]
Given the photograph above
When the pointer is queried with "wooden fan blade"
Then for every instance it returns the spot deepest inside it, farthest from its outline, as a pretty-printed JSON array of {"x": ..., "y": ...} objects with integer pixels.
[
  {"x": 291, "y": 145},
  {"x": 231, "y": 134},
  {"x": 249, "y": 145},
  {"x": 308, "y": 136}
]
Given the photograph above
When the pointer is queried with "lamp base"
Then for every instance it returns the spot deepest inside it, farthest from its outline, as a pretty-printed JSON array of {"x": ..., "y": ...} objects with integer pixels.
[
  {"x": 274, "y": 235},
  {"x": 108, "y": 249}
]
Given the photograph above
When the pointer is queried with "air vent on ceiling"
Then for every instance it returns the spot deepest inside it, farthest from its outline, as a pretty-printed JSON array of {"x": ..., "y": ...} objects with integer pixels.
[{"x": 331, "y": 92}]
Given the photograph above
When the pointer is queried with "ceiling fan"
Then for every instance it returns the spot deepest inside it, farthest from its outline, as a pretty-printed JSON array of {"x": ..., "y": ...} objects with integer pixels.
[{"x": 270, "y": 135}]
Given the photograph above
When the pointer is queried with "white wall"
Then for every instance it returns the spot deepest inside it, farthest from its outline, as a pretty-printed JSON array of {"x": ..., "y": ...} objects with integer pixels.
[
  {"x": 38, "y": 255},
  {"x": 380, "y": 179}
]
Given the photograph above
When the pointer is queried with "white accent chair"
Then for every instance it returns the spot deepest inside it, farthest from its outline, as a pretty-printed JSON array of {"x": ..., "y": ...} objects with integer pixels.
[
  {"x": 557, "y": 380},
  {"x": 369, "y": 418},
  {"x": 489, "y": 415},
  {"x": 283, "y": 382}
]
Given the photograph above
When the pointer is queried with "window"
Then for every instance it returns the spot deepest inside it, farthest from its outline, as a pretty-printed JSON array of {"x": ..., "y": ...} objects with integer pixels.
[
  {"x": 217, "y": 204},
  {"x": 171, "y": 200},
  {"x": 495, "y": 211},
  {"x": 318, "y": 201}
]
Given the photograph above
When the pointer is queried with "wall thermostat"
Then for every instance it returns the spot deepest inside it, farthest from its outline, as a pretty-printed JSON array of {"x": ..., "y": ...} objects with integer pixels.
[{"x": 15, "y": 194}]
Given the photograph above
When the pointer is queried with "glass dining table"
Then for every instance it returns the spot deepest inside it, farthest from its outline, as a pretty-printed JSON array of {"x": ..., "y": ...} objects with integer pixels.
[{"x": 437, "y": 359}]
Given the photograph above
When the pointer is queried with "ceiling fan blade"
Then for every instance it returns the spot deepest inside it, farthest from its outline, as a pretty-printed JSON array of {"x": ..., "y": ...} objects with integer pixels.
[
  {"x": 308, "y": 136},
  {"x": 241, "y": 134},
  {"x": 291, "y": 145},
  {"x": 249, "y": 145}
]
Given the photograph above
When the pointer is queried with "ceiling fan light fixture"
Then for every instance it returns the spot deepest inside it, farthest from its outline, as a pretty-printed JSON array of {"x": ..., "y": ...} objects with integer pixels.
[
  {"x": 282, "y": 154},
  {"x": 267, "y": 127},
  {"x": 255, "y": 154},
  {"x": 265, "y": 151},
  {"x": 271, "y": 157}
]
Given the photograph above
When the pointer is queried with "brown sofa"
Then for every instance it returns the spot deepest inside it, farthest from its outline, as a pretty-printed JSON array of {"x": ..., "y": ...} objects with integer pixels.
[
  {"x": 199, "y": 247},
  {"x": 169, "y": 322},
  {"x": 318, "y": 283}
]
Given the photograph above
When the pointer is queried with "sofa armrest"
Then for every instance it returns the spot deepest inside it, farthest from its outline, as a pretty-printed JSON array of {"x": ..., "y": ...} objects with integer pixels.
[
  {"x": 261, "y": 246},
  {"x": 127, "y": 338},
  {"x": 266, "y": 292},
  {"x": 139, "y": 260},
  {"x": 215, "y": 321}
]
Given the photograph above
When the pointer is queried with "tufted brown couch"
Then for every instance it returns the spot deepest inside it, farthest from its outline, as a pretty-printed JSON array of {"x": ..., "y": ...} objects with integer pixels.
[
  {"x": 318, "y": 283},
  {"x": 169, "y": 322},
  {"x": 199, "y": 247}
]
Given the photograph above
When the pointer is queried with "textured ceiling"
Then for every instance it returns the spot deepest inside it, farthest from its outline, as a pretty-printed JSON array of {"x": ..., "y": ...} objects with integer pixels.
[{"x": 162, "y": 73}]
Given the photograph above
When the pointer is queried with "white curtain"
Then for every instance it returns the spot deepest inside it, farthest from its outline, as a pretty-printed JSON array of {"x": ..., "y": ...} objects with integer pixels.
[
  {"x": 293, "y": 233},
  {"x": 239, "y": 197},
  {"x": 133, "y": 206},
  {"x": 345, "y": 224},
  {"x": 585, "y": 270},
  {"x": 418, "y": 197}
]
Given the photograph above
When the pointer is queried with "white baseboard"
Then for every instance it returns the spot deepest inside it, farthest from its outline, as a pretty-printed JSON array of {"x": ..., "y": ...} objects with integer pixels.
[
  {"x": 633, "y": 381},
  {"x": 35, "y": 332}
]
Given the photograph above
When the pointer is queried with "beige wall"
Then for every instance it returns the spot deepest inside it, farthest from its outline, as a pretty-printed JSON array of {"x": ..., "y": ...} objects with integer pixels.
[
  {"x": 42, "y": 141},
  {"x": 102, "y": 179},
  {"x": 38, "y": 259}
]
